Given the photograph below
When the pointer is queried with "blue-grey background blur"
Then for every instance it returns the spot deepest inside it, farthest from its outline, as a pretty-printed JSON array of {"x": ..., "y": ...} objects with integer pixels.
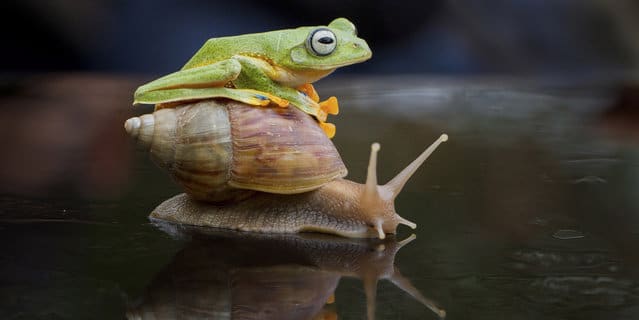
[{"x": 437, "y": 36}]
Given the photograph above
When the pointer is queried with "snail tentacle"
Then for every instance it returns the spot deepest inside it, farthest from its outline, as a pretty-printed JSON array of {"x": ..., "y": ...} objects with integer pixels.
[
  {"x": 370, "y": 291},
  {"x": 371, "y": 193},
  {"x": 403, "y": 283},
  {"x": 405, "y": 222},
  {"x": 397, "y": 183}
]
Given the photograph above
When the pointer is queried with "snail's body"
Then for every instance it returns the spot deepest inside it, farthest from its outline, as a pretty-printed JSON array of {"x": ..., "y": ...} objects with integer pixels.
[
  {"x": 265, "y": 170},
  {"x": 333, "y": 208}
]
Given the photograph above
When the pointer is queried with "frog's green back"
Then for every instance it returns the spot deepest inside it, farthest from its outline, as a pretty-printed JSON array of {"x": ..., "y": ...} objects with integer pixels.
[
  {"x": 272, "y": 45},
  {"x": 289, "y": 48}
]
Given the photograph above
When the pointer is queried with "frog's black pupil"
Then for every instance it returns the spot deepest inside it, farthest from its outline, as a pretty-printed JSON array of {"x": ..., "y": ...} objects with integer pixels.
[{"x": 325, "y": 40}]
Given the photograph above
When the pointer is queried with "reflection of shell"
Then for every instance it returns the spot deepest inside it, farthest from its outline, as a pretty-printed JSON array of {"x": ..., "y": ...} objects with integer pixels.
[
  {"x": 215, "y": 147},
  {"x": 227, "y": 276},
  {"x": 222, "y": 279},
  {"x": 294, "y": 292}
]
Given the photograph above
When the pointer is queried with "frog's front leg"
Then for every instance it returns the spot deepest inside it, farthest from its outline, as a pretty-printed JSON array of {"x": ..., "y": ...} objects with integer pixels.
[
  {"x": 258, "y": 74},
  {"x": 163, "y": 90}
]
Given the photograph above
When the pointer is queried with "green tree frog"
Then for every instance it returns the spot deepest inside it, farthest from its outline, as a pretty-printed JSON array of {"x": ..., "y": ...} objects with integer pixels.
[{"x": 260, "y": 69}]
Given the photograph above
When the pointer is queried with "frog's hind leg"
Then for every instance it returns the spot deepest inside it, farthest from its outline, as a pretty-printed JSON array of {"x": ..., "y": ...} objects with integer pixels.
[
  {"x": 249, "y": 96},
  {"x": 208, "y": 76},
  {"x": 328, "y": 106}
]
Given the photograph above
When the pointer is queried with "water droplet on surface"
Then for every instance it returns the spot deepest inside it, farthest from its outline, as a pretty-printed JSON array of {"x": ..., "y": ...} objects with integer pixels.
[
  {"x": 567, "y": 234},
  {"x": 590, "y": 180}
]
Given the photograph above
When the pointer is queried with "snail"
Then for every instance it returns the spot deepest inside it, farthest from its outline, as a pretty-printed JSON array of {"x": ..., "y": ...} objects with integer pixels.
[
  {"x": 265, "y": 170},
  {"x": 226, "y": 275}
]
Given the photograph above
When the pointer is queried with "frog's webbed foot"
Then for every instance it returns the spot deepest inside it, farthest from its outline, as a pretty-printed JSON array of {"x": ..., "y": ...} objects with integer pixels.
[
  {"x": 326, "y": 107},
  {"x": 328, "y": 128},
  {"x": 330, "y": 106}
]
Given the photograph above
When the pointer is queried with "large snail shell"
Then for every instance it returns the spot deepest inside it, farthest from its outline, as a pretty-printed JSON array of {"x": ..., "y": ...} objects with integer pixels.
[{"x": 218, "y": 149}]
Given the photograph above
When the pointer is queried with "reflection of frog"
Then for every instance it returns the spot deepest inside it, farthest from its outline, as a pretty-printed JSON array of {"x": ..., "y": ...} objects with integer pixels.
[
  {"x": 231, "y": 275},
  {"x": 262, "y": 68}
]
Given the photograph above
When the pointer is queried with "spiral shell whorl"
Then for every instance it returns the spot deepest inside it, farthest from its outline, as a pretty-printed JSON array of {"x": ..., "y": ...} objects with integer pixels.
[
  {"x": 193, "y": 144},
  {"x": 220, "y": 150},
  {"x": 141, "y": 128}
]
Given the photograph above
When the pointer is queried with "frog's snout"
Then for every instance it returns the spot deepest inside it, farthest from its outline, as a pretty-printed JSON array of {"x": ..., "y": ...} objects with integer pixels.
[{"x": 361, "y": 47}]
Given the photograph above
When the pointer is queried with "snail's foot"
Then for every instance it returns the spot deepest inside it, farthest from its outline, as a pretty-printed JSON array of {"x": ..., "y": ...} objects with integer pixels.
[
  {"x": 309, "y": 91},
  {"x": 330, "y": 105},
  {"x": 328, "y": 128}
]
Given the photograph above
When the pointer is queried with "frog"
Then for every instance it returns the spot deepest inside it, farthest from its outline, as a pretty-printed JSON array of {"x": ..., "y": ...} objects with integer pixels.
[{"x": 275, "y": 68}]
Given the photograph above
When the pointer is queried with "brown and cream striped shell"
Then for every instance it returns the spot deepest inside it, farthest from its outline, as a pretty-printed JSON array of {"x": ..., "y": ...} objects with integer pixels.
[{"x": 220, "y": 150}]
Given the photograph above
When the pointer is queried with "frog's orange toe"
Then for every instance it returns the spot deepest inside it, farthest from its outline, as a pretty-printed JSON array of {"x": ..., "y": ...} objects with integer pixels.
[
  {"x": 328, "y": 128},
  {"x": 330, "y": 105}
]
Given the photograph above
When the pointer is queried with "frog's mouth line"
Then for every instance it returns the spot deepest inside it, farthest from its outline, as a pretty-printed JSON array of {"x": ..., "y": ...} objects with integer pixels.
[
  {"x": 325, "y": 67},
  {"x": 299, "y": 77}
]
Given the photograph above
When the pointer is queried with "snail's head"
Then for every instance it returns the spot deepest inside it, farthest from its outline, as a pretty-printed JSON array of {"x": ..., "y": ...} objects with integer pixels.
[{"x": 377, "y": 202}]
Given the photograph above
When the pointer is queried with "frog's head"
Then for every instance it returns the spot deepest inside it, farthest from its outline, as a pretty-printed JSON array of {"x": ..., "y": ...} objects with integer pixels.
[{"x": 328, "y": 47}]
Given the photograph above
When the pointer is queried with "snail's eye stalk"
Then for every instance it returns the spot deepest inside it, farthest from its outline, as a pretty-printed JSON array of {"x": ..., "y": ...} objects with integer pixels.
[
  {"x": 371, "y": 194},
  {"x": 396, "y": 184}
]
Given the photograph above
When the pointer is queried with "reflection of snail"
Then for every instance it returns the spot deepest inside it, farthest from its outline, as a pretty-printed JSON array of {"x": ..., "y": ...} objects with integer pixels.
[
  {"x": 258, "y": 276},
  {"x": 251, "y": 159}
]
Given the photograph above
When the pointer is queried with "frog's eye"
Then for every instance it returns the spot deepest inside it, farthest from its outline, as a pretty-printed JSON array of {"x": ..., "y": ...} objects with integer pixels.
[{"x": 321, "y": 42}]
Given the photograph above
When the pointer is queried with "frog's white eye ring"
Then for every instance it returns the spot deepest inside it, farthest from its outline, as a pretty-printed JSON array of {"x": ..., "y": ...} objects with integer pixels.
[{"x": 321, "y": 42}]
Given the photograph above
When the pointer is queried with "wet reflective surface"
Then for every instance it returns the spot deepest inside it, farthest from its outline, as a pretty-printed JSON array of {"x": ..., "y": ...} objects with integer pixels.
[
  {"x": 530, "y": 211},
  {"x": 226, "y": 275}
]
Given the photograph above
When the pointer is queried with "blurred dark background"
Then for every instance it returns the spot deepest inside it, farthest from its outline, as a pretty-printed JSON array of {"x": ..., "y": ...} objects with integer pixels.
[
  {"x": 528, "y": 212},
  {"x": 437, "y": 37}
]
